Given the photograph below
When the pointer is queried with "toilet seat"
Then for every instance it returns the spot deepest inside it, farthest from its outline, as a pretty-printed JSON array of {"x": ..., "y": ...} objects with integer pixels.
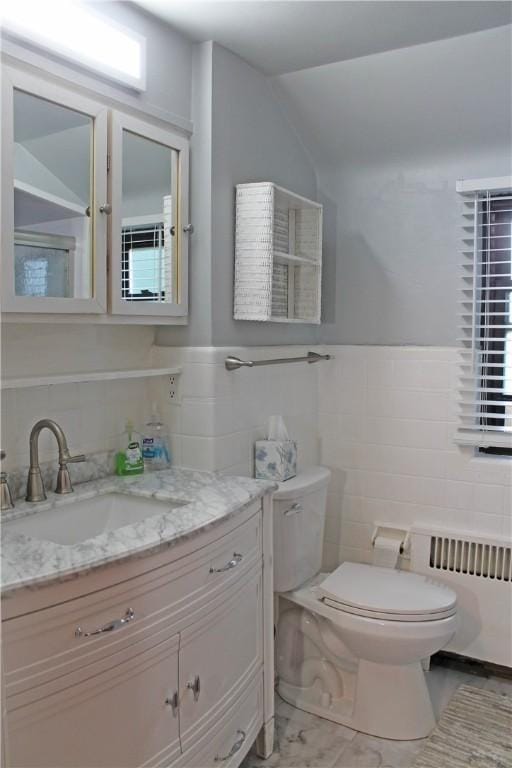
[
  {"x": 388, "y": 616},
  {"x": 386, "y": 593}
]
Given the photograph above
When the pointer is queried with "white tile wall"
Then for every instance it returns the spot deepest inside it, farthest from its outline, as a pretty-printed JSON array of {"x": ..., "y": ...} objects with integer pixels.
[
  {"x": 382, "y": 418},
  {"x": 219, "y": 414},
  {"x": 387, "y": 423}
]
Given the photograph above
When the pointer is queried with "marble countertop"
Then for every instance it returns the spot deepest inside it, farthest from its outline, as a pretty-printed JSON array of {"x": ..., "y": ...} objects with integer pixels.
[{"x": 209, "y": 499}]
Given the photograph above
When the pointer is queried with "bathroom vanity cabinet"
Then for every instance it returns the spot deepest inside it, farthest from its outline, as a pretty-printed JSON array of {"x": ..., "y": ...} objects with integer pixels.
[{"x": 164, "y": 660}]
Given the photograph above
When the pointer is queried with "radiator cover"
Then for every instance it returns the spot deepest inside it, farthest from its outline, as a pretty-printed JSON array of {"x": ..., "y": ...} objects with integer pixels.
[{"x": 479, "y": 569}]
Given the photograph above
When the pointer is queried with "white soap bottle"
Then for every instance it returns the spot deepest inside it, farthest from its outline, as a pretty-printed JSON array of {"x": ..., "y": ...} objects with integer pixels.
[{"x": 155, "y": 445}]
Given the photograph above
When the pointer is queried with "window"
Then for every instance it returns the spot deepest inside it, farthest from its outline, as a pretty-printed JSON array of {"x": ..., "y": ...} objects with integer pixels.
[
  {"x": 44, "y": 264},
  {"x": 77, "y": 33},
  {"x": 146, "y": 267},
  {"x": 486, "y": 315}
]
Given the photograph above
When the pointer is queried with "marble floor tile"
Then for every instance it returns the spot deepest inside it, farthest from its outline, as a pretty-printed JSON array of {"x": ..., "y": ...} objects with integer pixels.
[
  {"x": 369, "y": 752},
  {"x": 307, "y": 741},
  {"x": 303, "y": 741}
]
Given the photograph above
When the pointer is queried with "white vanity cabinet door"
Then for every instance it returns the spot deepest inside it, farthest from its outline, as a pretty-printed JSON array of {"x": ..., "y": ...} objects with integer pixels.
[
  {"x": 230, "y": 739},
  {"x": 218, "y": 658},
  {"x": 116, "y": 719}
]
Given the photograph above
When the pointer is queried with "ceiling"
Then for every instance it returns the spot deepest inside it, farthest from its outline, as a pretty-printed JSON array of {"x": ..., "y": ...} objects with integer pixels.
[
  {"x": 451, "y": 98},
  {"x": 279, "y": 36}
]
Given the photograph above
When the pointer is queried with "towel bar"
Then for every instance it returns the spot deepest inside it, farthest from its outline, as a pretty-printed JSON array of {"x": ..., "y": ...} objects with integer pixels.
[{"x": 233, "y": 363}]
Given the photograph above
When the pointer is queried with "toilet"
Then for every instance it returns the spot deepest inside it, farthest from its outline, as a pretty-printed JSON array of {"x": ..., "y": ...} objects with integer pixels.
[{"x": 350, "y": 644}]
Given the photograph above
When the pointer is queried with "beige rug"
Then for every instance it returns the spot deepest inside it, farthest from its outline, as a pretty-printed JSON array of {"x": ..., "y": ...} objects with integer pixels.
[{"x": 475, "y": 731}]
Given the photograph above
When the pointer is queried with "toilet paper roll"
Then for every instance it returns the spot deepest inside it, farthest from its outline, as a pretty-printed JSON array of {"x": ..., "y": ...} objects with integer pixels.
[{"x": 386, "y": 552}]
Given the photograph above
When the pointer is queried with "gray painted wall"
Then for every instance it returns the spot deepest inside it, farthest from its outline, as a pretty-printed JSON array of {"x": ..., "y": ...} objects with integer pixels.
[
  {"x": 198, "y": 332},
  {"x": 252, "y": 141},
  {"x": 241, "y": 134},
  {"x": 391, "y": 250},
  {"x": 390, "y": 134}
]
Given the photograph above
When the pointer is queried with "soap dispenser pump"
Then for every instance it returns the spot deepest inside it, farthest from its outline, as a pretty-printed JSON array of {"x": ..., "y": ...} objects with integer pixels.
[
  {"x": 129, "y": 459},
  {"x": 155, "y": 445}
]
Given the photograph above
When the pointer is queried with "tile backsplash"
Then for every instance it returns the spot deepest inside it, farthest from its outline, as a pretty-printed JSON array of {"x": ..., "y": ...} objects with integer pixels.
[{"x": 92, "y": 414}]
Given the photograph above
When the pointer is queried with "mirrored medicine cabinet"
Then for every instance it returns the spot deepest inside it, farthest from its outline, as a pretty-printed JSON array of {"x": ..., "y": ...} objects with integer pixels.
[{"x": 94, "y": 207}]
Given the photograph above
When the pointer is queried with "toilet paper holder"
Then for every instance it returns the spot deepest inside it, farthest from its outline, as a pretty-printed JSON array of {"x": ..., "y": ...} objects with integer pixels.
[{"x": 390, "y": 531}]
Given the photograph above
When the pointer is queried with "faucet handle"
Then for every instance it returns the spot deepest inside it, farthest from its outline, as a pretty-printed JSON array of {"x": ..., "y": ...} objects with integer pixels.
[
  {"x": 63, "y": 479},
  {"x": 75, "y": 459},
  {"x": 6, "y": 501}
]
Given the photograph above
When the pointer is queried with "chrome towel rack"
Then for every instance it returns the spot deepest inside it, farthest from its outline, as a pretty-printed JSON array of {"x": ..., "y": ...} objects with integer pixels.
[{"x": 233, "y": 363}]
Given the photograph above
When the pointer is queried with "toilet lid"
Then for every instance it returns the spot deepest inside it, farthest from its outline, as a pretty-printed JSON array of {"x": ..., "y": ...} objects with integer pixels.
[{"x": 385, "y": 591}]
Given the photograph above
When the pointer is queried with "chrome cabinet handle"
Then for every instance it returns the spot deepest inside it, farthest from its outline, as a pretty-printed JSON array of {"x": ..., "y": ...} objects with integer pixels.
[
  {"x": 110, "y": 627},
  {"x": 234, "y": 749},
  {"x": 189, "y": 228},
  {"x": 294, "y": 509},
  {"x": 174, "y": 702},
  {"x": 195, "y": 686},
  {"x": 106, "y": 208},
  {"x": 232, "y": 564}
]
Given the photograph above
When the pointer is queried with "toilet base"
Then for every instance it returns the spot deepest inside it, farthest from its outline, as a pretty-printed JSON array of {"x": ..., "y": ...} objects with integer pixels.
[{"x": 391, "y": 702}]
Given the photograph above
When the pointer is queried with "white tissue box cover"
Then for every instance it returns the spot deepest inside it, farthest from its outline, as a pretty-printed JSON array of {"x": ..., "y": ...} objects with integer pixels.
[{"x": 275, "y": 459}]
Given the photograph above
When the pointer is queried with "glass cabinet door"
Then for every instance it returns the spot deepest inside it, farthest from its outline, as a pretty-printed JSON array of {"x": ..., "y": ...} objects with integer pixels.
[
  {"x": 149, "y": 175},
  {"x": 54, "y": 239}
]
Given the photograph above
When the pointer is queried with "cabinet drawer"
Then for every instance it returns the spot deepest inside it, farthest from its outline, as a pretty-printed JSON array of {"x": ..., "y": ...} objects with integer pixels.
[
  {"x": 218, "y": 656},
  {"x": 116, "y": 719},
  {"x": 226, "y": 744},
  {"x": 54, "y": 642}
]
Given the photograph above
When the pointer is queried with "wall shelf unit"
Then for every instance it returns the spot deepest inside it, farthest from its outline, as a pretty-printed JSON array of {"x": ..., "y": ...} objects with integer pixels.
[
  {"x": 278, "y": 255},
  {"x": 22, "y": 382}
]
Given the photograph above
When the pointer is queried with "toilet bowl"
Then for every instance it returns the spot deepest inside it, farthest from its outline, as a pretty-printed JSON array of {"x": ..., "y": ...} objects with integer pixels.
[{"x": 350, "y": 643}]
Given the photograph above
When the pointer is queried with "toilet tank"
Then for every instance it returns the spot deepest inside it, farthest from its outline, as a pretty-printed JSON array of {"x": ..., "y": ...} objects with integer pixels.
[{"x": 299, "y": 518}]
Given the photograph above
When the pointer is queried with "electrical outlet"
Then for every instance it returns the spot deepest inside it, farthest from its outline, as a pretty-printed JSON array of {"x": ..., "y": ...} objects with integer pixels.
[{"x": 173, "y": 388}]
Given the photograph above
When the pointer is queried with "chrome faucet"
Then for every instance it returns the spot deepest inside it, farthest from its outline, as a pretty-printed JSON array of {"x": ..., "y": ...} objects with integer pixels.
[{"x": 35, "y": 485}]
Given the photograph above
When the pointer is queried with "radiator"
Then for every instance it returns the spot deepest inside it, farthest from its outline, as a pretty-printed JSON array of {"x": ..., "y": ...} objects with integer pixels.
[{"x": 479, "y": 570}]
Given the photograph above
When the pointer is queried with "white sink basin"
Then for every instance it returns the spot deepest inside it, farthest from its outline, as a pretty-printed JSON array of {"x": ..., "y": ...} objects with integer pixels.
[{"x": 75, "y": 521}]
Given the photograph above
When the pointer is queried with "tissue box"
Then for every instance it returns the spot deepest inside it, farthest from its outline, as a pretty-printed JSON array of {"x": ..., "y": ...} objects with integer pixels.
[{"x": 275, "y": 459}]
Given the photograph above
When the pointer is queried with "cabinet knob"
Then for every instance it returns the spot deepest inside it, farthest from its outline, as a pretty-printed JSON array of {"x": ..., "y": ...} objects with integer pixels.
[
  {"x": 106, "y": 208},
  {"x": 195, "y": 686},
  {"x": 174, "y": 702},
  {"x": 189, "y": 228}
]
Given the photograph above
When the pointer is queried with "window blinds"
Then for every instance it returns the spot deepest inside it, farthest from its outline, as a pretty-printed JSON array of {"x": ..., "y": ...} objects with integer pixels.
[{"x": 485, "y": 302}]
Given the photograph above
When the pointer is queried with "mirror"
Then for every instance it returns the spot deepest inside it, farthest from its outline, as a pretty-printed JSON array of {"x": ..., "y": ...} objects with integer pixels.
[
  {"x": 150, "y": 237},
  {"x": 53, "y": 182}
]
